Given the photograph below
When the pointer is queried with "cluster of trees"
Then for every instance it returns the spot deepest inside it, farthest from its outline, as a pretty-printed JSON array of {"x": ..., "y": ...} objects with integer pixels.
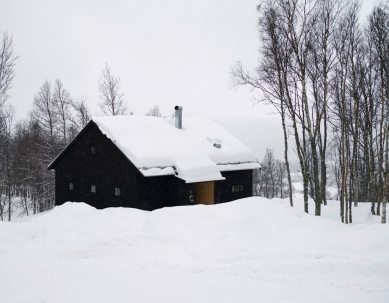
[
  {"x": 327, "y": 74},
  {"x": 270, "y": 180},
  {"x": 28, "y": 146}
]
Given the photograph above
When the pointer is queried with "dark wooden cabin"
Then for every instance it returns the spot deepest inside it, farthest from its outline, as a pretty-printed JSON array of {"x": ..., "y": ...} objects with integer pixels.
[{"x": 100, "y": 169}]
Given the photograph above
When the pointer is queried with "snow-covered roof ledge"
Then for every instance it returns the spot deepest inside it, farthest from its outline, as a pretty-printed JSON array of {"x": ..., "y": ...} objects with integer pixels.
[
  {"x": 157, "y": 171},
  {"x": 166, "y": 171},
  {"x": 193, "y": 154},
  {"x": 238, "y": 166},
  {"x": 197, "y": 169}
]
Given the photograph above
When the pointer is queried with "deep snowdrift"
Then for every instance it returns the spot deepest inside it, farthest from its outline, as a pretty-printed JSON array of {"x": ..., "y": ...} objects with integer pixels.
[{"x": 250, "y": 250}]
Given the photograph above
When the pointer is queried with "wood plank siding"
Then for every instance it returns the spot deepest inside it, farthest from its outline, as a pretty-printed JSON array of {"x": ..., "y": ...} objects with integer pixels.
[{"x": 205, "y": 193}]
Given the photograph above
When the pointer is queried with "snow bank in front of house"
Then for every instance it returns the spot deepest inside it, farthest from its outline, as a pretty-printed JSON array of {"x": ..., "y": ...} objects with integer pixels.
[
  {"x": 156, "y": 147},
  {"x": 249, "y": 250}
]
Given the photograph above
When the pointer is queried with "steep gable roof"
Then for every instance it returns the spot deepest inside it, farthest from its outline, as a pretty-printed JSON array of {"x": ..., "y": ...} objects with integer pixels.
[{"x": 197, "y": 153}]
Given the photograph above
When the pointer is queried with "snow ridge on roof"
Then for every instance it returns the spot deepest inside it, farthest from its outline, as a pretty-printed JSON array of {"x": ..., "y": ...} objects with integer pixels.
[{"x": 156, "y": 147}]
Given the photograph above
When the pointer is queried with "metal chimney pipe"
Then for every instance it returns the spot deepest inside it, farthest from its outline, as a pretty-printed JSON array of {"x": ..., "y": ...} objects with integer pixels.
[{"x": 178, "y": 115}]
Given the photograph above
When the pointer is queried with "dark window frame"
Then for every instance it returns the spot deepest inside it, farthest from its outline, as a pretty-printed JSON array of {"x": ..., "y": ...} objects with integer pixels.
[
  {"x": 93, "y": 149},
  {"x": 237, "y": 188}
]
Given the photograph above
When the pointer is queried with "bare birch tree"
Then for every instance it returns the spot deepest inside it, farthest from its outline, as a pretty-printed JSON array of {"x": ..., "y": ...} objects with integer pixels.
[
  {"x": 7, "y": 74},
  {"x": 81, "y": 115},
  {"x": 270, "y": 77},
  {"x": 7, "y": 65},
  {"x": 378, "y": 31},
  {"x": 385, "y": 172},
  {"x": 6, "y": 160},
  {"x": 61, "y": 105},
  {"x": 112, "y": 101}
]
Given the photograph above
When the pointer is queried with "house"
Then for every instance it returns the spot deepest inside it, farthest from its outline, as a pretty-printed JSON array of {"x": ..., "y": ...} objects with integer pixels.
[{"x": 150, "y": 162}]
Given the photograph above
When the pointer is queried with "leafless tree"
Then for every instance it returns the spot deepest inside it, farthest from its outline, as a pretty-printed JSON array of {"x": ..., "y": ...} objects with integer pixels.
[
  {"x": 345, "y": 106},
  {"x": 270, "y": 180},
  {"x": 7, "y": 65},
  {"x": 45, "y": 115},
  {"x": 23, "y": 165},
  {"x": 378, "y": 32},
  {"x": 61, "y": 105},
  {"x": 7, "y": 74},
  {"x": 322, "y": 61},
  {"x": 48, "y": 143},
  {"x": 112, "y": 102},
  {"x": 270, "y": 77},
  {"x": 328, "y": 79},
  {"x": 154, "y": 111},
  {"x": 28, "y": 147},
  {"x": 81, "y": 115},
  {"x": 385, "y": 172},
  {"x": 297, "y": 59},
  {"x": 6, "y": 161}
]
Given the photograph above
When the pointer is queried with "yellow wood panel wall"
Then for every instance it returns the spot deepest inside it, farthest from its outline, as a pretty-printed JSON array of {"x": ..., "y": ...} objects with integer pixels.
[{"x": 205, "y": 193}]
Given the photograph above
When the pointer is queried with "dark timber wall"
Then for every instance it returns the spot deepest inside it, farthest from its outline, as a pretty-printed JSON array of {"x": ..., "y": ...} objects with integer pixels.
[
  {"x": 158, "y": 192},
  {"x": 109, "y": 168},
  {"x": 238, "y": 177}
]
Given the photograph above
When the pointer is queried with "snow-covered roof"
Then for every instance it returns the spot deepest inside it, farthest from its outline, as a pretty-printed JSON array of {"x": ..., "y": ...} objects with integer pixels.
[{"x": 157, "y": 148}]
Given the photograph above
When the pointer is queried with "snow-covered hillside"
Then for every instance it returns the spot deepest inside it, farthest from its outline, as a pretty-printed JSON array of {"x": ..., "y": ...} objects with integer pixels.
[{"x": 250, "y": 250}]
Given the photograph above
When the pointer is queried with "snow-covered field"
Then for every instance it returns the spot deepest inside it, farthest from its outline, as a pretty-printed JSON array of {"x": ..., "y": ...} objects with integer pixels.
[{"x": 249, "y": 250}]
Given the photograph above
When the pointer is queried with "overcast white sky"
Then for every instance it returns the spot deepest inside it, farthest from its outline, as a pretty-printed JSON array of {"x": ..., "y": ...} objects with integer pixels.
[{"x": 169, "y": 52}]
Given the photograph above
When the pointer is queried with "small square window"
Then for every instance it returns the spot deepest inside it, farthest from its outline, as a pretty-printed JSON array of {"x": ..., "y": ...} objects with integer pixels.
[
  {"x": 71, "y": 185},
  {"x": 237, "y": 188},
  {"x": 93, "y": 188},
  {"x": 92, "y": 149},
  {"x": 117, "y": 191}
]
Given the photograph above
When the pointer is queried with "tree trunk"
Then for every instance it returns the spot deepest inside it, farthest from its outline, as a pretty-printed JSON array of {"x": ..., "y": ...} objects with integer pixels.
[
  {"x": 286, "y": 155},
  {"x": 386, "y": 171},
  {"x": 372, "y": 179}
]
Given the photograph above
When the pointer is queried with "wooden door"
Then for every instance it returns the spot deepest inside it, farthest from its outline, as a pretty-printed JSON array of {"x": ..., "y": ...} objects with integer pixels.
[{"x": 205, "y": 193}]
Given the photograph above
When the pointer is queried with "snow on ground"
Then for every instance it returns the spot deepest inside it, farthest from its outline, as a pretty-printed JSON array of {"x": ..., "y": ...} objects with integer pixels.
[{"x": 249, "y": 250}]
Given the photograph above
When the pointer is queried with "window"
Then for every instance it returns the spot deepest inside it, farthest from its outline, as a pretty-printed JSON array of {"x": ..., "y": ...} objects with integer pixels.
[
  {"x": 117, "y": 191},
  {"x": 71, "y": 186},
  {"x": 237, "y": 188},
  {"x": 93, "y": 188},
  {"x": 92, "y": 149}
]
